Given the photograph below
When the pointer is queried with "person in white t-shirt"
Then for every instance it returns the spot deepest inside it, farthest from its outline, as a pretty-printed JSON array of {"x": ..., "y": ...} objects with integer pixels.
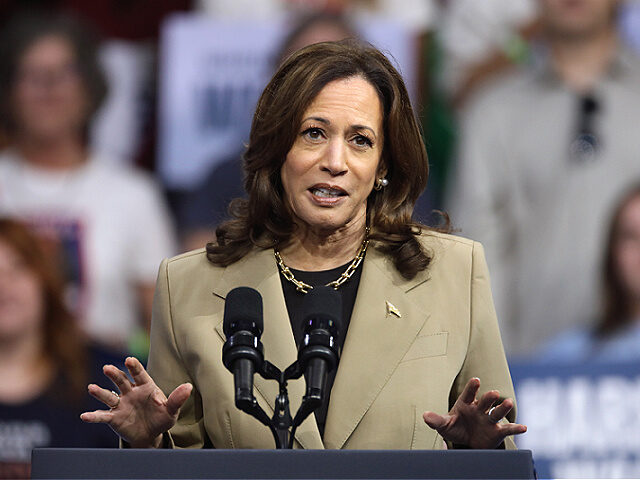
[{"x": 109, "y": 225}]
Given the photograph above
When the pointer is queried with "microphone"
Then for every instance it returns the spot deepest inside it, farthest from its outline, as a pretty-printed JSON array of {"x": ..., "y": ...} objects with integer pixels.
[
  {"x": 319, "y": 352},
  {"x": 242, "y": 353}
]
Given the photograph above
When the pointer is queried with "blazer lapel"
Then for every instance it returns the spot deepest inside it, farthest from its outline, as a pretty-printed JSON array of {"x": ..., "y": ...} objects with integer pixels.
[
  {"x": 377, "y": 339},
  {"x": 258, "y": 270}
]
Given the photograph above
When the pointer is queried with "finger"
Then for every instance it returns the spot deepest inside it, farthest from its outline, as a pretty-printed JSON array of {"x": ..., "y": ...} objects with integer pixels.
[
  {"x": 512, "y": 429},
  {"x": 109, "y": 398},
  {"x": 468, "y": 395},
  {"x": 137, "y": 371},
  {"x": 178, "y": 397},
  {"x": 488, "y": 400},
  {"x": 97, "y": 416},
  {"x": 118, "y": 377},
  {"x": 500, "y": 411},
  {"x": 435, "y": 421}
]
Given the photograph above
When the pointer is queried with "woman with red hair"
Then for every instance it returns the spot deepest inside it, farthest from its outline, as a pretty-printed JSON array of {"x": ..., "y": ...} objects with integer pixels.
[{"x": 45, "y": 361}]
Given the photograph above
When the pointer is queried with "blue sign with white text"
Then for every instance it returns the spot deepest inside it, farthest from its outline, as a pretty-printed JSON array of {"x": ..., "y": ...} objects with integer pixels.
[{"x": 583, "y": 419}]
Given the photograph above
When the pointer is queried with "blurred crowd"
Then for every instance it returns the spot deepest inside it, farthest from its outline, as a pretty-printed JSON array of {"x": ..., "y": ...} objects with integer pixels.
[{"x": 528, "y": 109}]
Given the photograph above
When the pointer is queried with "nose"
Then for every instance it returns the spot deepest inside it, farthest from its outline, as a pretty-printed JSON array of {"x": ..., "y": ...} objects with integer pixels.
[{"x": 334, "y": 159}]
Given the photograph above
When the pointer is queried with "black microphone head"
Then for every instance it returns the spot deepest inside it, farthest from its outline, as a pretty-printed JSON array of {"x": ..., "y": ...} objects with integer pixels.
[
  {"x": 243, "y": 311},
  {"x": 323, "y": 304}
]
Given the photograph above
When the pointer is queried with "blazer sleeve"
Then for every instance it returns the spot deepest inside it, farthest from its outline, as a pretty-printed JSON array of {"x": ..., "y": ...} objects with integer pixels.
[
  {"x": 485, "y": 356},
  {"x": 168, "y": 370}
]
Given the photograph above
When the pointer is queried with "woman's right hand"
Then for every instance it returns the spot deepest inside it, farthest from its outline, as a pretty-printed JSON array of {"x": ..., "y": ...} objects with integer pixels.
[{"x": 141, "y": 413}]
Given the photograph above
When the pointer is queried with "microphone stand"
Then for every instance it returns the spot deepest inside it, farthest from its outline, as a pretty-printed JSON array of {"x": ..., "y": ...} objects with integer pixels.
[
  {"x": 318, "y": 355},
  {"x": 281, "y": 421}
]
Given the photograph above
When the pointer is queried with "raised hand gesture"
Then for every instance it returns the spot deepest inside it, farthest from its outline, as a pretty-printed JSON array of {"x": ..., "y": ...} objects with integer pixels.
[
  {"x": 140, "y": 413},
  {"x": 475, "y": 423}
]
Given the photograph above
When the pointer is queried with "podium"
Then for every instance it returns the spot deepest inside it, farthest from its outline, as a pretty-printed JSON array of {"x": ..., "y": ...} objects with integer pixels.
[{"x": 67, "y": 463}]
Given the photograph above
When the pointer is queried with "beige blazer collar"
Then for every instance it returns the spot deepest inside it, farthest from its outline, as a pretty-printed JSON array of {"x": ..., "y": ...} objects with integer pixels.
[{"x": 376, "y": 342}]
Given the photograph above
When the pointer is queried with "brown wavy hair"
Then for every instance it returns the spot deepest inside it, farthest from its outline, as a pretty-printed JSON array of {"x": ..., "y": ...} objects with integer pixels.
[
  {"x": 264, "y": 219},
  {"x": 64, "y": 345},
  {"x": 616, "y": 302}
]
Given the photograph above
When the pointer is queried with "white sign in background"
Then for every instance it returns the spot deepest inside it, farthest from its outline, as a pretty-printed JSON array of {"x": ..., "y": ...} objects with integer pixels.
[{"x": 211, "y": 75}]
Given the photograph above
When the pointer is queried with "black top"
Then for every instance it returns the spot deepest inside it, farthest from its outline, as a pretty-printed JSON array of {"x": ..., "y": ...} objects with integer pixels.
[
  {"x": 52, "y": 420},
  {"x": 293, "y": 299}
]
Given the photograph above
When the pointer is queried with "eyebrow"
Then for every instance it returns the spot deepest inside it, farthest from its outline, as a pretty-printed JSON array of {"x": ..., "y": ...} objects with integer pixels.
[{"x": 328, "y": 122}]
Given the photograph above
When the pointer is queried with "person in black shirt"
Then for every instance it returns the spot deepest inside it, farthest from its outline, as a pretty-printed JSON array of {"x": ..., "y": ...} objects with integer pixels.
[{"x": 45, "y": 361}]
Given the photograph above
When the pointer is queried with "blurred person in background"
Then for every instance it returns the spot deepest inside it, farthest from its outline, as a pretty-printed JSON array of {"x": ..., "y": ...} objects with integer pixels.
[
  {"x": 543, "y": 156},
  {"x": 616, "y": 336},
  {"x": 481, "y": 40},
  {"x": 109, "y": 223},
  {"x": 124, "y": 126},
  {"x": 45, "y": 361}
]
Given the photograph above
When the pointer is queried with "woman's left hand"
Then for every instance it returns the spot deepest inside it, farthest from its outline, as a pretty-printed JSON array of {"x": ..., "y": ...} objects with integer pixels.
[{"x": 475, "y": 423}]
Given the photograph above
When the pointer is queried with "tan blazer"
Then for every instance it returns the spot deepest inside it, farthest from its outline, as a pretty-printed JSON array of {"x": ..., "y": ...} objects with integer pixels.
[{"x": 392, "y": 368}]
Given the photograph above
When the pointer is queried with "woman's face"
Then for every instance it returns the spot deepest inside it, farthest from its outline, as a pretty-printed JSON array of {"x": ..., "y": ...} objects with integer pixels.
[
  {"x": 627, "y": 248},
  {"x": 49, "y": 99},
  {"x": 21, "y": 302},
  {"x": 333, "y": 163}
]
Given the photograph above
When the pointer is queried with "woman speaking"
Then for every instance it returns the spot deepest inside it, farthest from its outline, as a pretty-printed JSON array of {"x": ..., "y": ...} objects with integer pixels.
[{"x": 334, "y": 165}]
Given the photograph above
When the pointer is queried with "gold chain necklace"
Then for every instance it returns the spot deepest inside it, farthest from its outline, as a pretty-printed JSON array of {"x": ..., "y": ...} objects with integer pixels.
[{"x": 346, "y": 275}]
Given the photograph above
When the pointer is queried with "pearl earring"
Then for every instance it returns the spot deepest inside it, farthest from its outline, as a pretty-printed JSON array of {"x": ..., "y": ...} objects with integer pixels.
[{"x": 381, "y": 183}]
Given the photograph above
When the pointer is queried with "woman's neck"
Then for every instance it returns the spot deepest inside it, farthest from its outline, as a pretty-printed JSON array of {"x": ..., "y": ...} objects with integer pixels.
[
  {"x": 313, "y": 250},
  {"x": 62, "y": 153},
  {"x": 24, "y": 369}
]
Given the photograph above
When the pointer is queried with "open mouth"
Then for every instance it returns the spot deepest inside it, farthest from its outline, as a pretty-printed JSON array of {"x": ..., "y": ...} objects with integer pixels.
[{"x": 327, "y": 192}]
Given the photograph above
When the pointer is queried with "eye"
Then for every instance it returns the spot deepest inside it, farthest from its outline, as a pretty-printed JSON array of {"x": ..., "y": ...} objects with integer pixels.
[
  {"x": 313, "y": 133},
  {"x": 362, "y": 141}
]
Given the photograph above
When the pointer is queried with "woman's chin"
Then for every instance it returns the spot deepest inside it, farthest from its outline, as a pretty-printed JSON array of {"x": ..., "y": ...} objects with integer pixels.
[
  {"x": 330, "y": 224},
  {"x": 326, "y": 220}
]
